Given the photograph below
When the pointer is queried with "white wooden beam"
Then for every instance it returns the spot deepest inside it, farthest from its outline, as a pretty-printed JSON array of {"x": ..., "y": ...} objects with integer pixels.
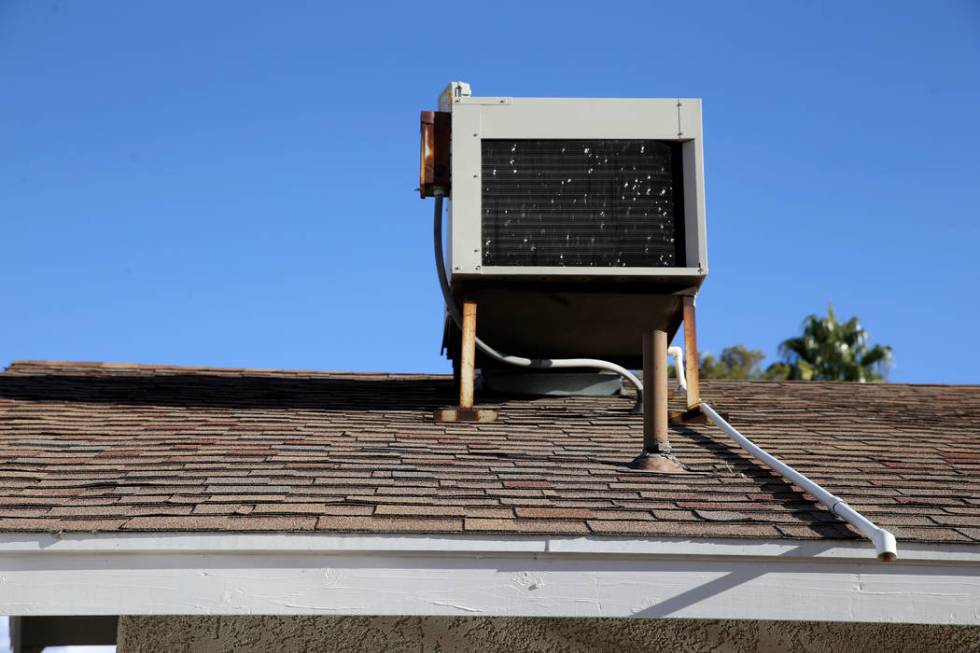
[{"x": 405, "y": 575}]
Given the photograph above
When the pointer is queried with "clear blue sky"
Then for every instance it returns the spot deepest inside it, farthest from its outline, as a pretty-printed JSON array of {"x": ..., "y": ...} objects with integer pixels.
[{"x": 231, "y": 183}]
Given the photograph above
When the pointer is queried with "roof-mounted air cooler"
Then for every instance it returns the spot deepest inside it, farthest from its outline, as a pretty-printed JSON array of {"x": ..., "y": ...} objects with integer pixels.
[
  {"x": 577, "y": 229},
  {"x": 576, "y": 223}
]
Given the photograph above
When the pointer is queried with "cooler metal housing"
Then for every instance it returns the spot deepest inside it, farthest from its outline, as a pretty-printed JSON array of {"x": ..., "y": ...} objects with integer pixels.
[{"x": 600, "y": 309}]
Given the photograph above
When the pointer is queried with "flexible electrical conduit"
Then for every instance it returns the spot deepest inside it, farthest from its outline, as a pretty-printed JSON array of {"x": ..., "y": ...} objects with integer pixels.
[{"x": 519, "y": 361}]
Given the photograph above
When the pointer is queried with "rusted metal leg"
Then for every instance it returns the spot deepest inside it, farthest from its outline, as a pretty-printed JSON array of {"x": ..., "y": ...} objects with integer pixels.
[
  {"x": 691, "y": 356},
  {"x": 693, "y": 414},
  {"x": 656, "y": 455},
  {"x": 655, "y": 391},
  {"x": 456, "y": 373},
  {"x": 465, "y": 412},
  {"x": 467, "y": 356}
]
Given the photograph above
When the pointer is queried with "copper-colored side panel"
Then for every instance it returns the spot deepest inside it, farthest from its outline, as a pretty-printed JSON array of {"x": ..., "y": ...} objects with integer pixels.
[
  {"x": 436, "y": 130},
  {"x": 426, "y": 153}
]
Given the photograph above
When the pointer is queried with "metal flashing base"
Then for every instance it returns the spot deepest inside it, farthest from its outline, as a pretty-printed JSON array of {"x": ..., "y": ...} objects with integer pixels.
[
  {"x": 659, "y": 463},
  {"x": 459, "y": 414}
]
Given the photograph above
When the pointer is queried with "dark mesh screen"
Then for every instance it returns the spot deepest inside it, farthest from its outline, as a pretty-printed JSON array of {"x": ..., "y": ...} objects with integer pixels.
[{"x": 602, "y": 203}]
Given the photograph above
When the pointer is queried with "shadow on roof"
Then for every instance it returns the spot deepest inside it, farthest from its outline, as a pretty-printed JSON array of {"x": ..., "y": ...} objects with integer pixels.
[{"x": 259, "y": 391}]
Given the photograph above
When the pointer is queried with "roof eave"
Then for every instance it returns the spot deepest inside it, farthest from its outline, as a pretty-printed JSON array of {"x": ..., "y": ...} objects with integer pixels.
[{"x": 293, "y": 573}]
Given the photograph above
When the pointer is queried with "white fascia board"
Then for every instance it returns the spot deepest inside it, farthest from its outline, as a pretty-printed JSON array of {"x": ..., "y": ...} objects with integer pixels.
[{"x": 305, "y": 574}]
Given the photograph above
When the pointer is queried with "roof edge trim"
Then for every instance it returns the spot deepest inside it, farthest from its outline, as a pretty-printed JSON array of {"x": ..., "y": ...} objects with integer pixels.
[
  {"x": 42, "y": 544},
  {"x": 294, "y": 574}
]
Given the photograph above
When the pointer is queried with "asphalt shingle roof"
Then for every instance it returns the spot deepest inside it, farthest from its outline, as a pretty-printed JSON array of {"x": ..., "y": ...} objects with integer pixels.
[{"x": 112, "y": 447}]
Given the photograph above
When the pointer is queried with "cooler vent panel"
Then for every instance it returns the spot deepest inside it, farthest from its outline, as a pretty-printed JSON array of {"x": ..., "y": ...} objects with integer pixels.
[{"x": 598, "y": 203}]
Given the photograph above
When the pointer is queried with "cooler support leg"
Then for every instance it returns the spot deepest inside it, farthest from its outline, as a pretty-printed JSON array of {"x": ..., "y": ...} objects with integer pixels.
[
  {"x": 466, "y": 412},
  {"x": 656, "y": 456}
]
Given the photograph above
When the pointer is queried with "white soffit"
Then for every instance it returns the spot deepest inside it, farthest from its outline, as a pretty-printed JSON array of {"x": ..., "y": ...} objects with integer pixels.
[{"x": 222, "y": 573}]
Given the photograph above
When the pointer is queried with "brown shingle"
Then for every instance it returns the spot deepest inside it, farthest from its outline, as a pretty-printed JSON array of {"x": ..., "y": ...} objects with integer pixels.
[
  {"x": 552, "y": 526},
  {"x": 681, "y": 529},
  {"x": 555, "y": 513},
  {"x": 389, "y": 525},
  {"x": 58, "y": 525},
  {"x": 445, "y": 511},
  {"x": 955, "y": 520},
  {"x": 720, "y": 515},
  {"x": 109, "y": 447},
  {"x": 312, "y": 509},
  {"x": 220, "y": 523},
  {"x": 194, "y": 523},
  {"x": 972, "y": 533}
]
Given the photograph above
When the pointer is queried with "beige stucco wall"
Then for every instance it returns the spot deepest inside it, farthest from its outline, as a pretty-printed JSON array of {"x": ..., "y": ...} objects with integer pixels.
[{"x": 487, "y": 635}]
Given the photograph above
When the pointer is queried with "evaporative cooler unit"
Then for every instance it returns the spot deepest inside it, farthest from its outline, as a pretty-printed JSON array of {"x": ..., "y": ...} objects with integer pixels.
[
  {"x": 576, "y": 225},
  {"x": 577, "y": 241}
]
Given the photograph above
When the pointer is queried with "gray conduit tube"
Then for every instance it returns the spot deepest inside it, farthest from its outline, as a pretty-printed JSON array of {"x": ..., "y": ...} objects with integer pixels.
[{"x": 518, "y": 361}]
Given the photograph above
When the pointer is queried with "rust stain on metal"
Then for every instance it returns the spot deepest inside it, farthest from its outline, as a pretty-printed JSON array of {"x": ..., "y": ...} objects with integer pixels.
[
  {"x": 691, "y": 355},
  {"x": 691, "y": 416},
  {"x": 459, "y": 414},
  {"x": 656, "y": 444},
  {"x": 467, "y": 366},
  {"x": 655, "y": 392},
  {"x": 434, "y": 173},
  {"x": 465, "y": 412}
]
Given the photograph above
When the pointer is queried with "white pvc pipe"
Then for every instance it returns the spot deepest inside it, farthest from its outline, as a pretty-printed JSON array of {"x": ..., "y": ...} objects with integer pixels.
[
  {"x": 678, "y": 355},
  {"x": 883, "y": 541}
]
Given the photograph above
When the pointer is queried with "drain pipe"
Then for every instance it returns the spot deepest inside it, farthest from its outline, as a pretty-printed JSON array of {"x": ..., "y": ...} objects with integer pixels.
[
  {"x": 678, "y": 355},
  {"x": 883, "y": 540}
]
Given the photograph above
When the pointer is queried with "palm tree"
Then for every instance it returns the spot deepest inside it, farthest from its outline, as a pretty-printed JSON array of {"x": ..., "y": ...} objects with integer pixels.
[{"x": 831, "y": 351}]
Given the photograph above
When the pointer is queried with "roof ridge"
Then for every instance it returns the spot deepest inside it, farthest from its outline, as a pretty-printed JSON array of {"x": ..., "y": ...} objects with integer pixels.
[
  {"x": 19, "y": 366},
  {"x": 22, "y": 364}
]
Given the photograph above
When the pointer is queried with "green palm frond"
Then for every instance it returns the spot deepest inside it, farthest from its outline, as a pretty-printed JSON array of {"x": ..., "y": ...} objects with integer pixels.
[{"x": 830, "y": 350}]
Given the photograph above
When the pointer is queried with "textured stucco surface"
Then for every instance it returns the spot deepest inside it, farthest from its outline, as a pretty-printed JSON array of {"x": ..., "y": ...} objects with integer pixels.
[{"x": 490, "y": 635}]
